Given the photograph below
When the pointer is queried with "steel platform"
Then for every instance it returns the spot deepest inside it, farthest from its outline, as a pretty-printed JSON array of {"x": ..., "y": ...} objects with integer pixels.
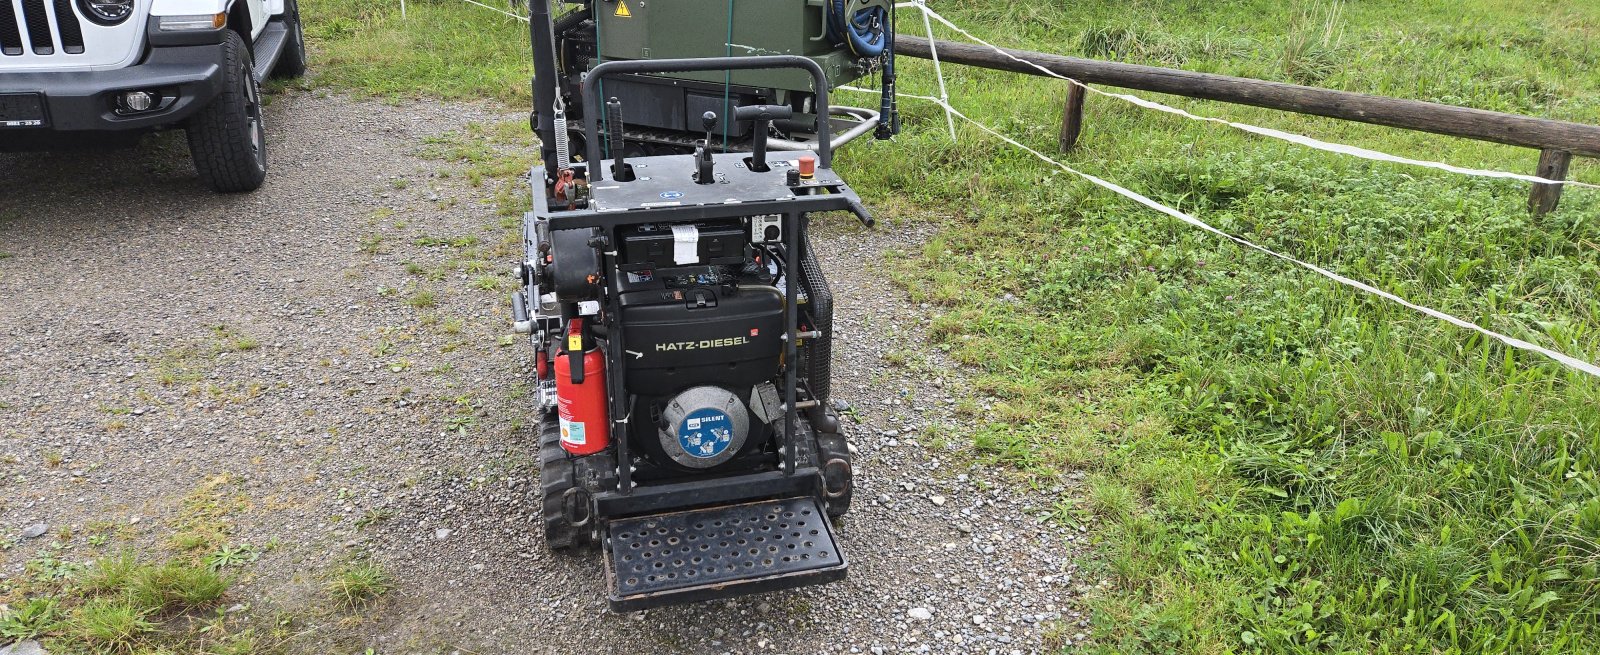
[{"x": 719, "y": 552}]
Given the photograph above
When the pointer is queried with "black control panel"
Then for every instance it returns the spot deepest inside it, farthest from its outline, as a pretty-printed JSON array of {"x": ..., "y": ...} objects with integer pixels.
[{"x": 653, "y": 246}]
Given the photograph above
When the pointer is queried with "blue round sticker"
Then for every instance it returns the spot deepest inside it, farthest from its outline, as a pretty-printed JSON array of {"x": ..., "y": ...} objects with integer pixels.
[
  {"x": 705, "y": 433},
  {"x": 671, "y": 195}
]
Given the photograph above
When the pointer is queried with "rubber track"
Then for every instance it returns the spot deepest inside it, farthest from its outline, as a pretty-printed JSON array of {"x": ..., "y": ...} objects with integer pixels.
[{"x": 555, "y": 478}]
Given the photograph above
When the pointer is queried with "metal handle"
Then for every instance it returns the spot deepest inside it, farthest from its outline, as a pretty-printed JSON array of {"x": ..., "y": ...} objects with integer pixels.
[
  {"x": 591, "y": 95},
  {"x": 762, "y": 112}
]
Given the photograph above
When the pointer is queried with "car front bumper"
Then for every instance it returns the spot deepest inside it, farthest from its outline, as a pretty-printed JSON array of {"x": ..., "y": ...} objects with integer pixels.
[{"x": 85, "y": 101}]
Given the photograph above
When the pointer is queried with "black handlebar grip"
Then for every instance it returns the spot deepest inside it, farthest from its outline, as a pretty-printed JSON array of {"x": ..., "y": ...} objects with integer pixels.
[
  {"x": 763, "y": 112},
  {"x": 861, "y": 213}
]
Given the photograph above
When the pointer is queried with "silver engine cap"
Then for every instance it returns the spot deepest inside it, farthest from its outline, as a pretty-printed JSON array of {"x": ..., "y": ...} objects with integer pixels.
[{"x": 706, "y": 426}]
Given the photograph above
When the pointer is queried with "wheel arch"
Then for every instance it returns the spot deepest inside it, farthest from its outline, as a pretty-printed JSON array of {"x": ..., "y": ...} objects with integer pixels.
[{"x": 239, "y": 21}]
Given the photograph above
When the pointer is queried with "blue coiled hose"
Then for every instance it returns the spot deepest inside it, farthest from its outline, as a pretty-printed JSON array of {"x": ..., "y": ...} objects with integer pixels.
[{"x": 864, "y": 32}]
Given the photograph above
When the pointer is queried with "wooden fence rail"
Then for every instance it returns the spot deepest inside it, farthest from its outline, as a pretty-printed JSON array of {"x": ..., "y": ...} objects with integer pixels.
[{"x": 1557, "y": 140}]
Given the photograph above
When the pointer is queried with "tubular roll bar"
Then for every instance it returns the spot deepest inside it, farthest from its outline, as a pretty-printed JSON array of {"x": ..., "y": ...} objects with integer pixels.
[{"x": 591, "y": 93}]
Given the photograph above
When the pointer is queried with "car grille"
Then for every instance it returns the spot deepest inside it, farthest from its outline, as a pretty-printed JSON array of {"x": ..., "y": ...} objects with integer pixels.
[{"x": 45, "y": 31}]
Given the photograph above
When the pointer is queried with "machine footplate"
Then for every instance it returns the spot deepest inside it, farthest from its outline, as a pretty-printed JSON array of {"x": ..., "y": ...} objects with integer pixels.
[{"x": 720, "y": 552}]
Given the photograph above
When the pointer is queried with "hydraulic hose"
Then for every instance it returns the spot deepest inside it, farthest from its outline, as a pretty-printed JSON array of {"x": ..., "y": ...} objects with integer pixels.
[{"x": 864, "y": 32}]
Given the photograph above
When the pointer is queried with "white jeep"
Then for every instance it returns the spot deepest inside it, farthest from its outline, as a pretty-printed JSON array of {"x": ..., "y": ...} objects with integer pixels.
[{"x": 108, "y": 71}]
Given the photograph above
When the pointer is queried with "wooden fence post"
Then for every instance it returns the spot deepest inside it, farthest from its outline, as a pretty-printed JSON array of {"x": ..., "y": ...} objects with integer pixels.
[
  {"x": 1072, "y": 117},
  {"x": 1552, "y": 166}
]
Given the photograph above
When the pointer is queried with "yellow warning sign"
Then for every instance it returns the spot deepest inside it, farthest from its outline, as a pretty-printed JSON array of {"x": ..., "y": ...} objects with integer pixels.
[{"x": 622, "y": 9}]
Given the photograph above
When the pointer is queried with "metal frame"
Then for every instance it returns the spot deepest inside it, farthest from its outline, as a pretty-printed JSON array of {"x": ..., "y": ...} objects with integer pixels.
[
  {"x": 794, "y": 211},
  {"x": 591, "y": 93}
]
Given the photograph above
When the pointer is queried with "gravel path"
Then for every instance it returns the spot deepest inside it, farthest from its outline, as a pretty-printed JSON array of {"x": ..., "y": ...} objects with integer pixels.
[{"x": 291, "y": 350}]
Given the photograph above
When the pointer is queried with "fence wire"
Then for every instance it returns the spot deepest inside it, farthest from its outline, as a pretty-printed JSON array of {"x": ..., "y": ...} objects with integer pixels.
[
  {"x": 1298, "y": 139},
  {"x": 1560, "y": 358}
]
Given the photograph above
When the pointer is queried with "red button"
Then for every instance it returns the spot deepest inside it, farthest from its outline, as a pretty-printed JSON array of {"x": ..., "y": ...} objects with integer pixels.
[{"x": 808, "y": 167}]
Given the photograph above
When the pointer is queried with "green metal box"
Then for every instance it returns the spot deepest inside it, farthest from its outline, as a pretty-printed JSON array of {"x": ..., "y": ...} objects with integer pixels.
[{"x": 670, "y": 29}]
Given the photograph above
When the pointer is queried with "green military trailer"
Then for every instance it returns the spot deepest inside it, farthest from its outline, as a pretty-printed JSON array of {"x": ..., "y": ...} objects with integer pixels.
[{"x": 849, "y": 39}]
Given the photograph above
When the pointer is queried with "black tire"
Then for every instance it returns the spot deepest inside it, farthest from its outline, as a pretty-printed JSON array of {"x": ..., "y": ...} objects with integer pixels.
[
  {"x": 292, "y": 63},
  {"x": 228, "y": 139}
]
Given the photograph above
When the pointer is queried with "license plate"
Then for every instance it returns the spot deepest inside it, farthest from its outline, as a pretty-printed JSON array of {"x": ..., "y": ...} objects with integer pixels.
[{"x": 21, "y": 110}]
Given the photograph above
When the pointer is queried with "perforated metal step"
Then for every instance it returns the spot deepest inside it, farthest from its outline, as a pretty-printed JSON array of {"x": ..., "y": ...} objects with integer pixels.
[{"x": 720, "y": 552}]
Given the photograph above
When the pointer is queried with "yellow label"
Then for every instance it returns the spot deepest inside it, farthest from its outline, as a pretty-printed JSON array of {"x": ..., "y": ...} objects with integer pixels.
[
  {"x": 575, "y": 343},
  {"x": 622, "y": 10}
]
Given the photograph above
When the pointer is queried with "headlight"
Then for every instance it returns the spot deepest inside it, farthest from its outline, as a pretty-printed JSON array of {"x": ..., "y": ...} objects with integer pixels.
[
  {"x": 194, "y": 22},
  {"x": 106, "y": 12}
]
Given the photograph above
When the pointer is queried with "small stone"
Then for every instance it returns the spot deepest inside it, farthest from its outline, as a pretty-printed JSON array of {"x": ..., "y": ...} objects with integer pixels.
[
  {"x": 920, "y": 613},
  {"x": 29, "y": 647},
  {"x": 937, "y": 500},
  {"x": 977, "y": 619},
  {"x": 35, "y": 531},
  {"x": 964, "y": 528},
  {"x": 442, "y": 533}
]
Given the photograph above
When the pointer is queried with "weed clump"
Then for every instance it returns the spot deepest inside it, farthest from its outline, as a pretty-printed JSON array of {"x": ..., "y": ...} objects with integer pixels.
[{"x": 358, "y": 584}]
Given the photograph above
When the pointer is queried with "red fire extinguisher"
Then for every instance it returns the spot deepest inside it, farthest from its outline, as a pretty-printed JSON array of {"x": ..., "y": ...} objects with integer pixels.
[{"x": 581, "y": 398}]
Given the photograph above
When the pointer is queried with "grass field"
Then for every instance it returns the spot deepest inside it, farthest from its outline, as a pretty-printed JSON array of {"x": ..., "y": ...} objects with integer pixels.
[{"x": 1274, "y": 463}]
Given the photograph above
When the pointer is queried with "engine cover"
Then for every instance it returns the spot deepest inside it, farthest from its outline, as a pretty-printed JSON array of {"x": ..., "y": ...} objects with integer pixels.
[
  {"x": 681, "y": 338},
  {"x": 705, "y": 426}
]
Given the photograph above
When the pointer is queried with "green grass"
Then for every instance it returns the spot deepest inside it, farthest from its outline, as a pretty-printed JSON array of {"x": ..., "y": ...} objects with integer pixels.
[
  {"x": 1272, "y": 462},
  {"x": 442, "y": 48},
  {"x": 110, "y": 625},
  {"x": 120, "y": 604},
  {"x": 358, "y": 584}
]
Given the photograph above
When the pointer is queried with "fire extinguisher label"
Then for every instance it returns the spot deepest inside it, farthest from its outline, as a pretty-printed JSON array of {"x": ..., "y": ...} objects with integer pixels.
[{"x": 572, "y": 432}]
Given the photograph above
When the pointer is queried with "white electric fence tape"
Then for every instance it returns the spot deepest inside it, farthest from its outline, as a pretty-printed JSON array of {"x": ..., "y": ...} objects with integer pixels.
[
  {"x": 682, "y": 240},
  {"x": 1566, "y": 360},
  {"x": 475, "y": 2},
  {"x": 1297, "y": 139}
]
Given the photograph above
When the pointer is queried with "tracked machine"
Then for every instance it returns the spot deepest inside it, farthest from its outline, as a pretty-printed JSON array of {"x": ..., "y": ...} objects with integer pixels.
[{"x": 681, "y": 324}]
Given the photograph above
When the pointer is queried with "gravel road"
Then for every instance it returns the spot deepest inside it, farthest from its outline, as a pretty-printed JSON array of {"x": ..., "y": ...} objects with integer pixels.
[{"x": 323, "y": 352}]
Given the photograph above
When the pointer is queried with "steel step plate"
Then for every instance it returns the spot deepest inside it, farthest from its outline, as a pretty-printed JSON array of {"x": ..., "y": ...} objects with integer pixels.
[
  {"x": 720, "y": 552},
  {"x": 268, "y": 48}
]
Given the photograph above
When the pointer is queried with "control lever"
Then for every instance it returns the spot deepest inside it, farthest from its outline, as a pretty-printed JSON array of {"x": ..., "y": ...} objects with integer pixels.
[
  {"x": 619, "y": 164},
  {"x": 763, "y": 115},
  {"x": 704, "y": 167}
]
